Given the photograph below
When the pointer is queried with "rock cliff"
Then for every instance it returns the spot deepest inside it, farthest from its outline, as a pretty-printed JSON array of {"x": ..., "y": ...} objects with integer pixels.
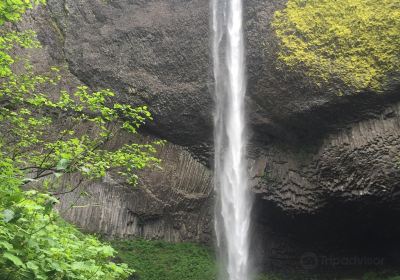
[
  {"x": 170, "y": 202},
  {"x": 325, "y": 168}
]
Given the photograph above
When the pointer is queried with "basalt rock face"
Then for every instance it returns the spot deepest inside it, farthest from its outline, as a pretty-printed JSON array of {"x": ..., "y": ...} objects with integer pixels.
[
  {"x": 324, "y": 167},
  {"x": 349, "y": 164},
  {"x": 157, "y": 52},
  {"x": 170, "y": 202},
  {"x": 152, "y": 52},
  {"x": 331, "y": 199}
]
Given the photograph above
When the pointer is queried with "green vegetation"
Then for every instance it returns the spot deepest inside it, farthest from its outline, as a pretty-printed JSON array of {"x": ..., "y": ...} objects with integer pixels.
[
  {"x": 354, "y": 43},
  {"x": 366, "y": 276},
  {"x": 82, "y": 121},
  {"x": 159, "y": 260},
  {"x": 380, "y": 276},
  {"x": 11, "y": 10},
  {"x": 45, "y": 134},
  {"x": 36, "y": 244}
]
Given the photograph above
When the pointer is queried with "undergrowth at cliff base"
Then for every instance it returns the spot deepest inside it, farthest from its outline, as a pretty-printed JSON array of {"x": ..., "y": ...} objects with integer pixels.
[
  {"x": 384, "y": 275},
  {"x": 160, "y": 260}
]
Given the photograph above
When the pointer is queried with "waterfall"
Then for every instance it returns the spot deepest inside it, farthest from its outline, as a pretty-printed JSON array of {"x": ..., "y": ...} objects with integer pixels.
[{"x": 233, "y": 202}]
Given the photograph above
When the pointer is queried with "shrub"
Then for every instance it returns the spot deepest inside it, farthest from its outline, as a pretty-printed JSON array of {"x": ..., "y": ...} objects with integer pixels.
[
  {"x": 36, "y": 244},
  {"x": 51, "y": 132}
]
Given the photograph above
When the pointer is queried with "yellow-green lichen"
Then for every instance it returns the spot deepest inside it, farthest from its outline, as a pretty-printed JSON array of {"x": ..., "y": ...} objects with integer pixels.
[{"x": 356, "y": 42}]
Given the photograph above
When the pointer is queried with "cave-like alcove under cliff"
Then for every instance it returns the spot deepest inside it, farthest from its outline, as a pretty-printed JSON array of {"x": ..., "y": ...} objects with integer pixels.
[{"x": 340, "y": 238}]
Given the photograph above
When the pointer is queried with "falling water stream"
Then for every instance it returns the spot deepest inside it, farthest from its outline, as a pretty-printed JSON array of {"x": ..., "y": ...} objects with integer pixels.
[{"x": 232, "y": 216}]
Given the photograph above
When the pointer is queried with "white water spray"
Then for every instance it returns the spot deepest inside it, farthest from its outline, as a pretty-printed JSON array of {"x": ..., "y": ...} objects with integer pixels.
[{"x": 232, "y": 219}]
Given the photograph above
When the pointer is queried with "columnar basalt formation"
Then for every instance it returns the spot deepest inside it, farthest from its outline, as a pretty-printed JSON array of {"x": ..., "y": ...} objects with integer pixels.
[{"x": 170, "y": 202}]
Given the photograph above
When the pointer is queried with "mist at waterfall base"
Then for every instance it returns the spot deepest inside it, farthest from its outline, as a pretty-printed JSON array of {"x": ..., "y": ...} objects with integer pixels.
[{"x": 234, "y": 201}]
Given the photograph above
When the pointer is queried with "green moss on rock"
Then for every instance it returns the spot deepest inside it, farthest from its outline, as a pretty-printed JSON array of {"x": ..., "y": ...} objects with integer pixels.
[{"x": 355, "y": 42}]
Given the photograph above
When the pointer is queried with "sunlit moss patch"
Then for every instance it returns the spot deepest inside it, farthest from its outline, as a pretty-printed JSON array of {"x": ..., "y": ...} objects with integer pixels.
[{"x": 356, "y": 42}]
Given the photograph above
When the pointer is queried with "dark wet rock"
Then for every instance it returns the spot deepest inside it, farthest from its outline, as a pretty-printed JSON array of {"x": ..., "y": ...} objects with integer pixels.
[
  {"x": 150, "y": 52},
  {"x": 334, "y": 197},
  {"x": 170, "y": 202}
]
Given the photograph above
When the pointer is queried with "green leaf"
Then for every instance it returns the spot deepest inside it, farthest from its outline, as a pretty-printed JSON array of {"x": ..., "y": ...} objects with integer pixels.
[
  {"x": 78, "y": 265},
  {"x": 6, "y": 245},
  {"x": 28, "y": 180},
  {"x": 32, "y": 265},
  {"x": 8, "y": 215},
  {"x": 14, "y": 259},
  {"x": 63, "y": 164},
  {"x": 48, "y": 206}
]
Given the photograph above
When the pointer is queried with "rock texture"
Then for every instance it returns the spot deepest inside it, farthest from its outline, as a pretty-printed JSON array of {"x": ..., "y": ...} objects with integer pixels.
[
  {"x": 170, "y": 202},
  {"x": 350, "y": 164},
  {"x": 153, "y": 52},
  {"x": 334, "y": 199},
  {"x": 325, "y": 171},
  {"x": 157, "y": 52}
]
